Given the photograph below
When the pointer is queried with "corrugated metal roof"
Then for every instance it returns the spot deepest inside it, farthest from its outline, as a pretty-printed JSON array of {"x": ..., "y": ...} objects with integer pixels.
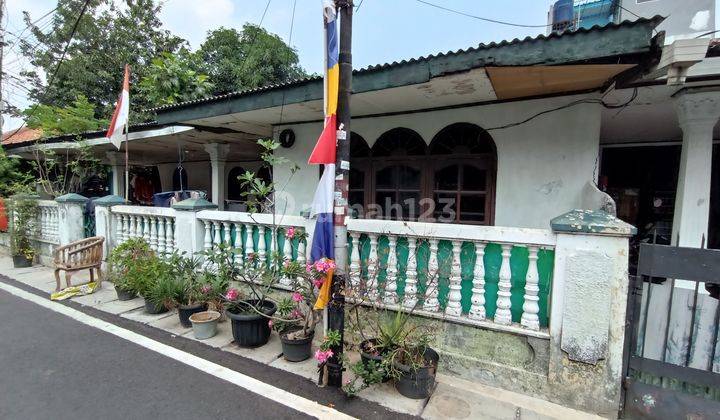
[{"x": 380, "y": 67}]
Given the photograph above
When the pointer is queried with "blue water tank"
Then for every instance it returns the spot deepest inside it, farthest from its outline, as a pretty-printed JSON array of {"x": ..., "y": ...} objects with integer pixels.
[{"x": 562, "y": 11}]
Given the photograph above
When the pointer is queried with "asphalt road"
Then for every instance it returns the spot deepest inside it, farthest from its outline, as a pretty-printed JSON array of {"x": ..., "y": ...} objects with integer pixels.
[{"x": 52, "y": 367}]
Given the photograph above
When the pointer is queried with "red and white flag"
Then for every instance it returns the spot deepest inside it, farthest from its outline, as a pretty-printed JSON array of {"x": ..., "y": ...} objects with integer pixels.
[{"x": 119, "y": 123}]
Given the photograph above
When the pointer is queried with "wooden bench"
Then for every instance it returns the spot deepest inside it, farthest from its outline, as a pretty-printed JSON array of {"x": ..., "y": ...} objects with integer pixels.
[{"x": 85, "y": 254}]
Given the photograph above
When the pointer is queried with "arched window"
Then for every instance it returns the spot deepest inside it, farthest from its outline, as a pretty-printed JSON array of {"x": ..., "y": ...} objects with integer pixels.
[
  {"x": 401, "y": 178},
  {"x": 359, "y": 169},
  {"x": 463, "y": 174}
]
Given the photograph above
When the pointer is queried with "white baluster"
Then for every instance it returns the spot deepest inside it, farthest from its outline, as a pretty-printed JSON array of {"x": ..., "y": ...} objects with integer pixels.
[
  {"x": 216, "y": 235},
  {"x": 454, "y": 305},
  {"x": 530, "y": 307},
  {"x": 169, "y": 235},
  {"x": 161, "y": 243},
  {"x": 119, "y": 236},
  {"x": 152, "y": 223},
  {"x": 237, "y": 246},
  {"x": 410, "y": 299},
  {"x": 249, "y": 243},
  {"x": 227, "y": 234},
  {"x": 287, "y": 248},
  {"x": 502, "y": 314},
  {"x": 372, "y": 267},
  {"x": 207, "y": 239},
  {"x": 123, "y": 228},
  {"x": 137, "y": 227},
  {"x": 355, "y": 260},
  {"x": 43, "y": 222},
  {"x": 146, "y": 229},
  {"x": 262, "y": 246},
  {"x": 391, "y": 272},
  {"x": 477, "y": 310},
  {"x": 431, "y": 293}
]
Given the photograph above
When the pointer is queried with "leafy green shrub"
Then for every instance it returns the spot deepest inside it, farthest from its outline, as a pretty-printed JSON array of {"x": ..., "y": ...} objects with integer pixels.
[{"x": 24, "y": 213}]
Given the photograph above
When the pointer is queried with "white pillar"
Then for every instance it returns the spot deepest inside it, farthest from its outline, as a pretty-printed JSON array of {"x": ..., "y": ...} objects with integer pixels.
[
  {"x": 189, "y": 235},
  {"x": 71, "y": 217},
  {"x": 698, "y": 112},
  {"x": 117, "y": 166},
  {"x": 218, "y": 153}
]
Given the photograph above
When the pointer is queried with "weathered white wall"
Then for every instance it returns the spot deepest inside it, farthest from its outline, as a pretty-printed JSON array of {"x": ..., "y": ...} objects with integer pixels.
[{"x": 543, "y": 165}]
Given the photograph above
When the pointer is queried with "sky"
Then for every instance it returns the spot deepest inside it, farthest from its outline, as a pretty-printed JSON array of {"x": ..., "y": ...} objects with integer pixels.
[{"x": 383, "y": 30}]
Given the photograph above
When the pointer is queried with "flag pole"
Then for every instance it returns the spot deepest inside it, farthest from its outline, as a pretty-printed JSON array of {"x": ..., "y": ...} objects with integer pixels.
[
  {"x": 127, "y": 172},
  {"x": 336, "y": 308}
]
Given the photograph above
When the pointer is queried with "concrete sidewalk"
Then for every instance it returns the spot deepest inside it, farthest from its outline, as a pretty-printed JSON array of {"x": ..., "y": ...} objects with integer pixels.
[{"x": 453, "y": 398}]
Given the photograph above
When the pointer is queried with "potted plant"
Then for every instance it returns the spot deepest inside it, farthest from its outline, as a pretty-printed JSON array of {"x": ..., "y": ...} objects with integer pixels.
[
  {"x": 24, "y": 211},
  {"x": 160, "y": 292},
  {"x": 249, "y": 307},
  {"x": 128, "y": 267},
  {"x": 190, "y": 295},
  {"x": 296, "y": 318}
]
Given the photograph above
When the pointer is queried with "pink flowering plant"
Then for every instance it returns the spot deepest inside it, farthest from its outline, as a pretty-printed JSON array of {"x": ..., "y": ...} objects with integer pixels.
[{"x": 296, "y": 317}]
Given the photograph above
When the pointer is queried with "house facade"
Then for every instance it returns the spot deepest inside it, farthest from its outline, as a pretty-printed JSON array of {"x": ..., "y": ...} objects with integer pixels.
[{"x": 501, "y": 167}]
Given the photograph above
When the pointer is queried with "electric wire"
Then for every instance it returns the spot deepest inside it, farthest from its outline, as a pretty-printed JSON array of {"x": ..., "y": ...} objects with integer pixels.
[
  {"x": 568, "y": 105},
  {"x": 292, "y": 25},
  {"x": 57, "y": 66},
  {"x": 500, "y": 22}
]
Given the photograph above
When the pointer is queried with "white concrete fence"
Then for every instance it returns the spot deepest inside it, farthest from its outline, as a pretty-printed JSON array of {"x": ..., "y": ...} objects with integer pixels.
[
  {"x": 47, "y": 226},
  {"x": 567, "y": 285}
]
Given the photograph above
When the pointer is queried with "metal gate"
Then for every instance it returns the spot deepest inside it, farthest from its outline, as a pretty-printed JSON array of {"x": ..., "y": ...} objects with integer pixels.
[{"x": 672, "y": 354}]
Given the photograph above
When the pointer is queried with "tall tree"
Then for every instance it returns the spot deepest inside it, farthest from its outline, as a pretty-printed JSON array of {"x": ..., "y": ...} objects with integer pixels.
[
  {"x": 108, "y": 36},
  {"x": 248, "y": 59},
  {"x": 173, "y": 78}
]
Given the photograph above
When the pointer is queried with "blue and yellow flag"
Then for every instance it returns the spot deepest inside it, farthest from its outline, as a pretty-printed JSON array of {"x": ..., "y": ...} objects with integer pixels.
[{"x": 324, "y": 154}]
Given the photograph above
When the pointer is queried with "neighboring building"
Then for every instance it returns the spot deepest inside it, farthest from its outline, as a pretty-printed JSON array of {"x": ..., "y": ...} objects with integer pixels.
[
  {"x": 21, "y": 135},
  {"x": 684, "y": 19},
  {"x": 568, "y": 15}
]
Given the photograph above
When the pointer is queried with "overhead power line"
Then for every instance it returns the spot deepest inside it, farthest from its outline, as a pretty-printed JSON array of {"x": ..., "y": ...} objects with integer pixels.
[
  {"x": 33, "y": 23},
  {"x": 499, "y": 22},
  {"x": 57, "y": 66}
]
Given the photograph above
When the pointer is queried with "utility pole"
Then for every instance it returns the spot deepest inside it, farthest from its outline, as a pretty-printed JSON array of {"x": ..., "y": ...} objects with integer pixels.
[{"x": 336, "y": 308}]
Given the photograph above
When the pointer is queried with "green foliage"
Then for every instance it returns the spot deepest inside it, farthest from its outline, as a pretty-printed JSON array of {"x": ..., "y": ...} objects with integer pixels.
[
  {"x": 258, "y": 193},
  {"x": 24, "y": 211},
  {"x": 77, "y": 117},
  {"x": 131, "y": 265},
  {"x": 61, "y": 173},
  {"x": 248, "y": 59},
  {"x": 107, "y": 37},
  {"x": 12, "y": 179},
  {"x": 173, "y": 78}
]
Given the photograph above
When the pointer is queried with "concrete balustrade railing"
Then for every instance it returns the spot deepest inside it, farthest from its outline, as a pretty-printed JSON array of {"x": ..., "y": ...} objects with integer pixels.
[
  {"x": 481, "y": 275},
  {"x": 156, "y": 225},
  {"x": 47, "y": 227},
  {"x": 255, "y": 238},
  {"x": 562, "y": 290}
]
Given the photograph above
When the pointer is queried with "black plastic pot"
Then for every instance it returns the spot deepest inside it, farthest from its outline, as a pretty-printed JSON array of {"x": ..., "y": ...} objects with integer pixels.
[
  {"x": 251, "y": 329},
  {"x": 153, "y": 309},
  {"x": 366, "y": 357},
  {"x": 418, "y": 384},
  {"x": 185, "y": 311},
  {"x": 297, "y": 350},
  {"x": 124, "y": 294},
  {"x": 20, "y": 261}
]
